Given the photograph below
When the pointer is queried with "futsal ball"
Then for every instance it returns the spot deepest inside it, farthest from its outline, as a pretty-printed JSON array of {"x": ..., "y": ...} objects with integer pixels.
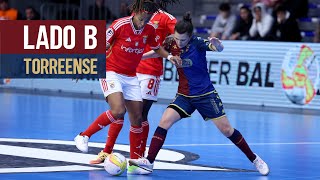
[{"x": 115, "y": 164}]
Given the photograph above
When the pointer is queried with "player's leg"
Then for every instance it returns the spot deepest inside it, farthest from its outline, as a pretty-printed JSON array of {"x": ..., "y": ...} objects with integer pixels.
[
  {"x": 211, "y": 107},
  {"x": 133, "y": 102},
  {"x": 112, "y": 88},
  {"x": 180, "y": 108},
  {"x": 145, "y": 124},
  {"x": 149, "y": 85},
  {"x": 236, "y": 137},
  {"x": 113, "y": 132}
]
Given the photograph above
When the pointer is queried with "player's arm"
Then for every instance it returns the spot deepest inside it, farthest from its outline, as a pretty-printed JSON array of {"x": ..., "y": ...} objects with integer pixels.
[
  {"x": 111, "y": 34},
  {"x": 150, "y": 54},
  {"x": 155, "y": 45},
  {"x": 170, "y": 24},
  {"x": 215, "y": 44},
  {"x": 210, "y": 44},
  {"x": 176, "y": 60}
]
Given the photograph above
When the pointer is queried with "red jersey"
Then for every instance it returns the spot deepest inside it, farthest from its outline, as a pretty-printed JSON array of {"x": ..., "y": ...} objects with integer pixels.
[
  {"x": 127, "y": 45},
  {"x": 164, "y": 24}
]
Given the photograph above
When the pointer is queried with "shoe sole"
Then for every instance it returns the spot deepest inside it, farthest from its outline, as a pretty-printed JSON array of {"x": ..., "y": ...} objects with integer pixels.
[{"x": 135, "y": 164}]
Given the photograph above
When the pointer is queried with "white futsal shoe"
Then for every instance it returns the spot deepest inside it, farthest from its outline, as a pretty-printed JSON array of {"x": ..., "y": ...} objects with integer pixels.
[
  {"x": 261, "y": 166},
  {"x": 140, "y": 166},
  {"x": 82, "y": 143}
]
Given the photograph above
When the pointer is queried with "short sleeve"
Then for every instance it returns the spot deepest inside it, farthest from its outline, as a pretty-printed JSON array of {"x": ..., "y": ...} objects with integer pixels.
[
  {"x": 111, "y": 33},
  {"x": 171, "y": 23}
]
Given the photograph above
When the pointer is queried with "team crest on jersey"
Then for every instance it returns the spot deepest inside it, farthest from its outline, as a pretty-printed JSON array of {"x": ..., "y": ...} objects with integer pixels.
[
  {"x": 145, "y": 39},
  {"x": 156, "y": 24}
]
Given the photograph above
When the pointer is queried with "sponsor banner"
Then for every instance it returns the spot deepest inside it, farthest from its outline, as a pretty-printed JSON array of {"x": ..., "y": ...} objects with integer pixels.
[
  {"x": 260, "y": 73},
  {"x": 52, "y": 49},
  {"x": 245, "y": 73}
]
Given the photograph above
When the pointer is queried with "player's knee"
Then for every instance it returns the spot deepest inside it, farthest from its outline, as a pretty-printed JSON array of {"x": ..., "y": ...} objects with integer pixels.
[
  {"x": 144, "y": 116},
  {"x": 118, "y": 112},
  {"x": 166, "y": 123},
  {"x": 136, "y": 119},
  {"x": 226, "y": 130}
]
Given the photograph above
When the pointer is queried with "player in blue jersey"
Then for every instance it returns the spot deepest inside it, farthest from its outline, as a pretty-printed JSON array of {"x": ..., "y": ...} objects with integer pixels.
[{"x": 195, "y": 92}]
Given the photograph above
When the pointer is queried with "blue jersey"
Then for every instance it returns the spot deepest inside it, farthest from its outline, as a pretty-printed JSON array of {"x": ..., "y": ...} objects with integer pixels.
[{"x": 194, "y": 80}]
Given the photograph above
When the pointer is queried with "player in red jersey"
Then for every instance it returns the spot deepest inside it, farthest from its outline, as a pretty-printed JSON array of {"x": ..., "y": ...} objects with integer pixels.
[
  {"x": 150, "y": 70},
  {"x": 126, "y": 40},
  {"x": 148, "y": 73}
]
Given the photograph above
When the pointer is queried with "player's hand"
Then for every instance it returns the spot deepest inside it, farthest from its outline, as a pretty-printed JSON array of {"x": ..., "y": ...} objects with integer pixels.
[
  {"x": 216, "y": 43},
  {"x": 176, "y": 60}
]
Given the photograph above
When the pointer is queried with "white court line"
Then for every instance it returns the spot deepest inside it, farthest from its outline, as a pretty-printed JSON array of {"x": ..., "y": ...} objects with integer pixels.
[
  {"x": 48, "y": 169},
  {"x": 251, "y": 144}
]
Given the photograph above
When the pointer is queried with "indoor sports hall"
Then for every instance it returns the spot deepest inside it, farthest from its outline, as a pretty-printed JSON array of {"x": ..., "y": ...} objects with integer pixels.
[{"x": 269, "y": 89}]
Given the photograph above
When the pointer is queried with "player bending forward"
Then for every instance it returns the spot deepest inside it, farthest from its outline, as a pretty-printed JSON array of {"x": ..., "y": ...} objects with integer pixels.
[{"x": 195, "y": 92}]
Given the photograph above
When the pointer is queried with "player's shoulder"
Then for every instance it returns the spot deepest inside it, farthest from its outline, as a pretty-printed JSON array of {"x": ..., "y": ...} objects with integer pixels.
[
  {"x": 197, "y": 39},
  {"x": 166, "y": 14},
  {"x": 121, "y": 22}
]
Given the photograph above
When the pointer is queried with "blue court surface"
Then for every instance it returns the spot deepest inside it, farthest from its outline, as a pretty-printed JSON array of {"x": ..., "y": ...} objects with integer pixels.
[{"x": 37, "y": 131}]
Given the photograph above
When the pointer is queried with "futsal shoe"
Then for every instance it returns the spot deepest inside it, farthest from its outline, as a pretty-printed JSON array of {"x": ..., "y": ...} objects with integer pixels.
[
  {"x": 261, "y": 166},
  {"x": 82, "y": 143},
  {"x": 100, "y": 158},
  {"x": 143, "y": 164}
]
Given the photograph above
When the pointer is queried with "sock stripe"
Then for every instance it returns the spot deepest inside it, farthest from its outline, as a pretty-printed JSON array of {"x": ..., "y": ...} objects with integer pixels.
[
  {"x": 240, "y": 140},
  {"x": 119, "y": 121},
  {"x": 111, "y": 118},
  {"x": 145, "y": 123},
  {"x": 136, "y": 130}
]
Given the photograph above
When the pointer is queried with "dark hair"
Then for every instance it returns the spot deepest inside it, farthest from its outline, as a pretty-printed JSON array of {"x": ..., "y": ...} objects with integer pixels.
[
  {"x": 224, "y": 7},
  {"x": 281, "y": 9},
  {"x": 147, "y": 6},
  {"x": 246, "y": 8},
  {"x": 257, "y": 8},
  {"x": 164, "y": 3},
  {"x": 185, "y": 25}
]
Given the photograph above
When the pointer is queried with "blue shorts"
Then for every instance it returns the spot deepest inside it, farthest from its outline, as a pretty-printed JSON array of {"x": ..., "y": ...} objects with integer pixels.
[{"x": 209, "y": 106}]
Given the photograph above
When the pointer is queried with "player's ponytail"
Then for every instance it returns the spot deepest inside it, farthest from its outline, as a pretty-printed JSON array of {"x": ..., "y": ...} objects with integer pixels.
[
  {"x": 146, "y": 6},
  {"x": 185, "y": 25}
]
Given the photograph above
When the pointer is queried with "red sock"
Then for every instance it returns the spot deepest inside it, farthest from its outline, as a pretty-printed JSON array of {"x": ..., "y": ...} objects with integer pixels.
[
  {"x": 103, "y": 120},
  {"x": 135, "y": 141},
  {"x": 156, "y": 143},
  {"x": 242, "y": 144},
  {"x": 144, "y": 136},
  {"x": 113, "y": 133}
]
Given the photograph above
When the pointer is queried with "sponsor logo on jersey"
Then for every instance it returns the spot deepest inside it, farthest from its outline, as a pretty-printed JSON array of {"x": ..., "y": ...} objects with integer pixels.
[
  {"x": 156, "y": 24},
  {"x": 132, "y": 50}
]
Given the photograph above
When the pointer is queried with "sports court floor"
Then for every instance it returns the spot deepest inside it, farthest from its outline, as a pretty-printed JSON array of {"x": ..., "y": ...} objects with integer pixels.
[{"x": 37, "y": 131}]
